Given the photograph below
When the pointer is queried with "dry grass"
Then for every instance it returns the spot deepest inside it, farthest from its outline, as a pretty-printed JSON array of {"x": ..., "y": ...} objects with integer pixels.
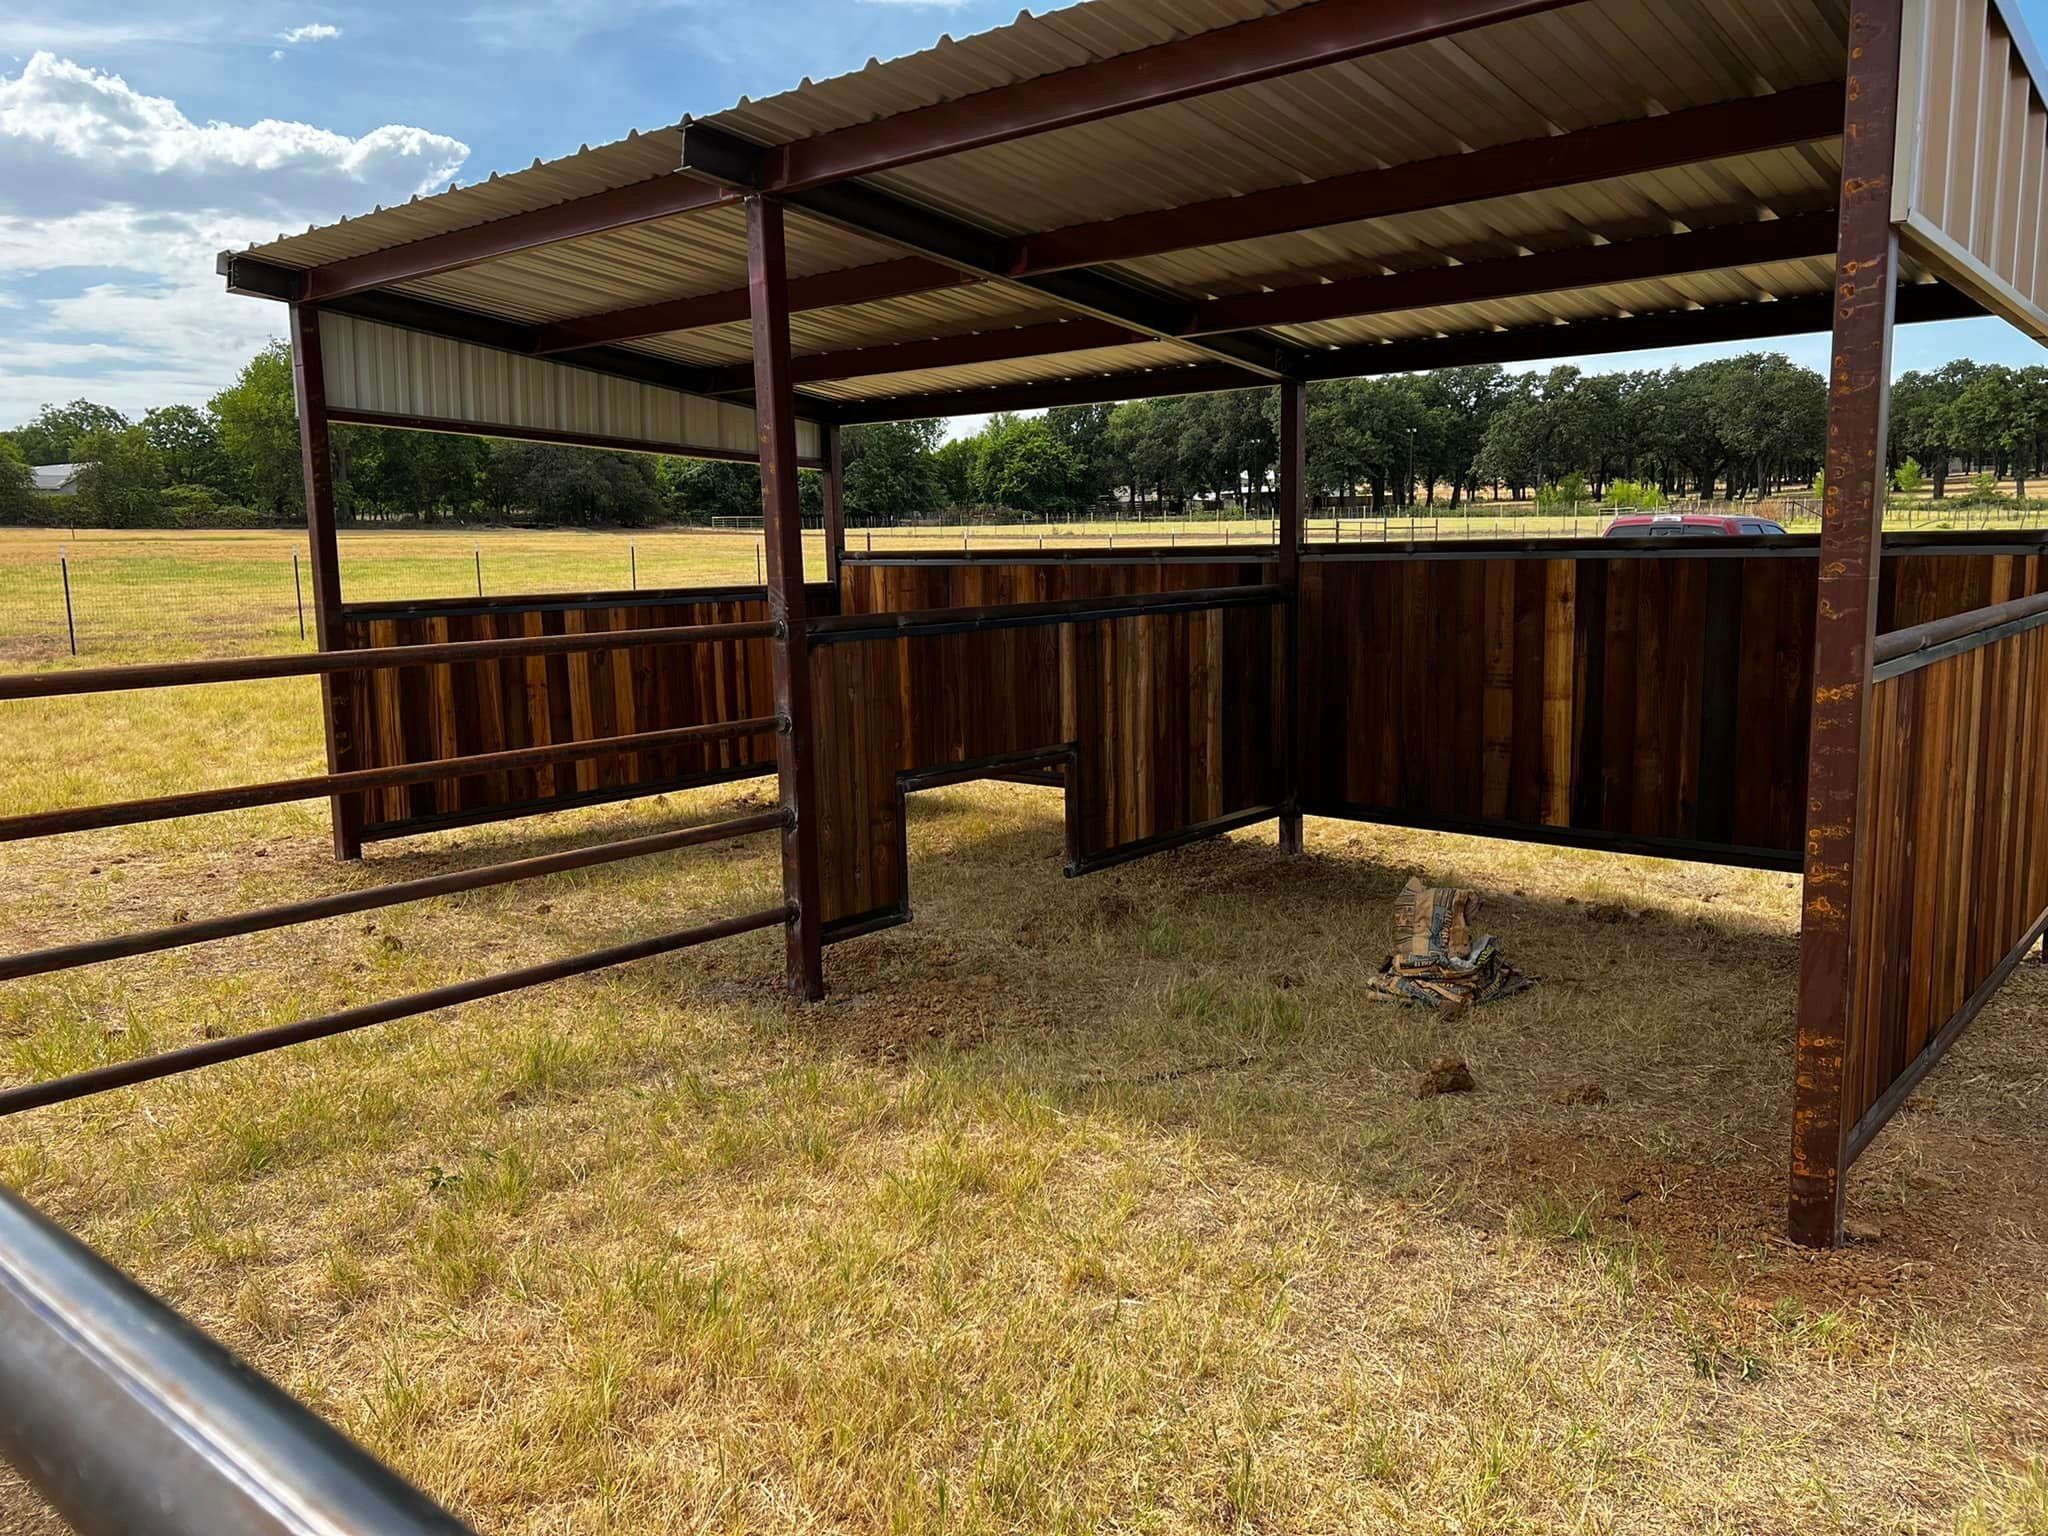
[
  {"x": 1099, "y": 1204},
  {"x": 1082, "y": 1205}
]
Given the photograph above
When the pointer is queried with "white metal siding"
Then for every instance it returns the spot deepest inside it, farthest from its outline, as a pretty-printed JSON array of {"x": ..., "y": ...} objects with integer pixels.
[
  {"x": 1971, "y": 181},
  {"x": 394, "y": 372}
]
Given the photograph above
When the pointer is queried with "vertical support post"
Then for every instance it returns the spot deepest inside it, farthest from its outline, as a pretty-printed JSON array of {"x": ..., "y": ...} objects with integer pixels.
[
  {"x": 70, "y": 622},
  {"x": 835, "y": 502},
  {"x": 1292, "y": 488},
  {"x": 1852, "y": 524},
  {"x": 299, "y": 594},
  {"x": 323, "y": 554},
  {"x": 782, "y": 538}
]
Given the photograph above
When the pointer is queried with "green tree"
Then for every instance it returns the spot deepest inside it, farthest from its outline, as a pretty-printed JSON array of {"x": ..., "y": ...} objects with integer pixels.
[
  {"x": 1021, "y": 464},
  {"x": 259, "y": 433},
  {"x": 953, "y": 471},
  {"x": 585, "y": 487},
  {"x": 57, "y": 434},
  {"x": 187, "y": 444},
  {"x": 889, "y": 471},
  {"x": 123, "y": 478},
  {"x": 1923, "y": 423},
  {"x": 17, "y": 485}
]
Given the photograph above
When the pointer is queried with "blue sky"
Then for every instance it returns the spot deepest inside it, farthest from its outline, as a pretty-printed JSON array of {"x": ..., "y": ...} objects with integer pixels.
[{"x": 137, "y": 139}]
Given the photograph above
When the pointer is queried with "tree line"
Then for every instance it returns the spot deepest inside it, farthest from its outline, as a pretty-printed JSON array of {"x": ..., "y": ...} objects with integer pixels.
[{"x": 1742, "y": 426}]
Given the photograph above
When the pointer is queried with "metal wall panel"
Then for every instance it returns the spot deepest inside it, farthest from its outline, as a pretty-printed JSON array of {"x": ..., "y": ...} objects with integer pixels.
[
  {"x": 387, "y": 371},
  {"x": 1971, "y": 183}
]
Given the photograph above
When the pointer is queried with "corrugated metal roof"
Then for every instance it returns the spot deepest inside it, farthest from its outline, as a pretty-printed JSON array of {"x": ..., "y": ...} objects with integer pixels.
[{"x": 1580, "y": 66}]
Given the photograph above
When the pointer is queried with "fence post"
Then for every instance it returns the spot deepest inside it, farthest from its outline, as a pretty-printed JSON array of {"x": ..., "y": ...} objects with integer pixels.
[
  {"x": 70, "y": 623},
  {"x": 298, "y": 594},
  {"x": 478, "y": 552},
  {"x": 633, "y": 560},
  {"x": 760, "y": 579}
]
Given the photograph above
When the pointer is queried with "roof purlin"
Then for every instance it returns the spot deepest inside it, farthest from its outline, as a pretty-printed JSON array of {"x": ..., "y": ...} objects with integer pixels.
[
  {"x": 1595, "y": 154},
  {"x": 713, "y": 153}
]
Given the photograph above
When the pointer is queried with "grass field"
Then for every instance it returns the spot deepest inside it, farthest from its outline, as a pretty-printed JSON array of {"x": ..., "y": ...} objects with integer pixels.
[{"x": 1104, "y": 1204}]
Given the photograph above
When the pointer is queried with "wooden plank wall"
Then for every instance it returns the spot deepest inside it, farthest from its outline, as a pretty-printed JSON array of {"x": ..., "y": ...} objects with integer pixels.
[
  {"x": 1626, "y": 697},
  {"x": 417, "y": 714},
  {"x": 1954, "y": 875},
  {"x": 892, "y": 585},
  {"x": 1650, "y": 699},
  {"x": 407, "y": 715},
  {"x": 1172, "y": 719}
]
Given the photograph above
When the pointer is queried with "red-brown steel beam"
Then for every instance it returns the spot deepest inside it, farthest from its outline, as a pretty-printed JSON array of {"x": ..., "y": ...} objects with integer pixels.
[
  {"x": 834, "y": 498},
  {"x": 783, "y": 539},
  {"x": 1799, "y": 316},
  {"x": 1748, "y": 126},
  {"x": 1584, "y": 266},
  {"x": 598, "y": 213},
  {"x": 824, "y": 290},
  {"x": 1570, "y": 159},
  {"x": 1293, "y": 499},
  {"x": 316, "y": 465},
  {"x": 1852, "y": 522},
  {"x": 957, "y": 351},
  {"x": 1627, "y": 333},
  {"x": 1089, "y": 389},
  {"x": 1803, "y": 235},
  {"x": 1265, "y": 48}
]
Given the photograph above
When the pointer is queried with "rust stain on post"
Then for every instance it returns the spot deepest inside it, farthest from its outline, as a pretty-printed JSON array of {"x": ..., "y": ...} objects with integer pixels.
[{"x": 1851, "y": 524}]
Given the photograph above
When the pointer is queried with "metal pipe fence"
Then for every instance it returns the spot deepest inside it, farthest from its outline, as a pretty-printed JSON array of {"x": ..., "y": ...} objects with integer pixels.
[{"x": 127, "y": 1418}]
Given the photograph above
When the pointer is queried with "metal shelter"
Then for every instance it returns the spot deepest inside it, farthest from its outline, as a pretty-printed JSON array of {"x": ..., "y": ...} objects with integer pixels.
[{"x": 1125, "y": 199}]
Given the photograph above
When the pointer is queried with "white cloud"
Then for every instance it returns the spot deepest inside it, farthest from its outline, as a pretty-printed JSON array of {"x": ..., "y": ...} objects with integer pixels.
[
  {"x": 70, "y": 136},
  {"x": 135, "y": 198},
  {"x": 312, "y": 32},
  {"x": 276, "y": 55}
]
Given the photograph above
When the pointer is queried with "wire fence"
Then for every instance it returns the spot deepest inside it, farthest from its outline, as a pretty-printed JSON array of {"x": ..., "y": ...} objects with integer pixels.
[{"x": 134, "y": 597}]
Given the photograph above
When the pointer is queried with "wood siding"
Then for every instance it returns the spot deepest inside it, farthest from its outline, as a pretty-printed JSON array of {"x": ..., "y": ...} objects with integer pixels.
[
  {"x": 1627, "y": 697},
  {"x": 895, "y": 585},
  {"x": 1164, "y": 723},
  {"x": 1642, "y": 700},
  {"x": 417, "y": 714},
  {"x": 1953, "y": 876}
]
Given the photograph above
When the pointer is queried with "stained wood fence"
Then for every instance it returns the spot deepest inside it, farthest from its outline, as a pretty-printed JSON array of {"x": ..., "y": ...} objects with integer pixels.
[
  {"x": 410, "y": 715},
  {"x": 1951, "y": 886}
]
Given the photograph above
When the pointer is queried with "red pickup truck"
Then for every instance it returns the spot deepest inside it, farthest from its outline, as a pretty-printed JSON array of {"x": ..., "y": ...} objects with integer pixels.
[{"x": 1638, "y": 525}]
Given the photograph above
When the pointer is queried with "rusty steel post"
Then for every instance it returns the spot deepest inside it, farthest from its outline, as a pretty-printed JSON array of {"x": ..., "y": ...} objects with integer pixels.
[
  {"x": 835, "y": 502},
  {"x": 323, "y": 554},
  {"x": 1293, "y": 495},
  {"x": 782, "y": 538},
  {"x": 1852, "y": 528}
]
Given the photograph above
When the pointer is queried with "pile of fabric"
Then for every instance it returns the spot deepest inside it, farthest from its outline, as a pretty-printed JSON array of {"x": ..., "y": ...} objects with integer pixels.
[{"x": 1438, "y": 959}]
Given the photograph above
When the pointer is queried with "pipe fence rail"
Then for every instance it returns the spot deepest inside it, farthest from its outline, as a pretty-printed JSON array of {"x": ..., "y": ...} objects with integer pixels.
[
  {"x": 127, "y": 1418},
  {"x": 58, "y": 684}
]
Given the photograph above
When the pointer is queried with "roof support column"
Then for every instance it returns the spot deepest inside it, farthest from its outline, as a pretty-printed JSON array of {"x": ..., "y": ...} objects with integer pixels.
[
  {"x": 783, "y": 536},
  {"x": 316, "y": 465},
  {"x": 1852, "y": 524},
  {"x": 835, "y": 501},
  {"x": 1293, "y": 498}
]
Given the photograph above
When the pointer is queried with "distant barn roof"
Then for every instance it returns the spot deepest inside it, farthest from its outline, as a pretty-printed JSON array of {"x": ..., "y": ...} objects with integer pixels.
[{"x": 55, "y": 477}]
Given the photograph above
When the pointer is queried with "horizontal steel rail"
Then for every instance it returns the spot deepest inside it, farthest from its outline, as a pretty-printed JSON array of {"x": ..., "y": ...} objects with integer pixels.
[
  {"x": 127, "y": 1418},
  {"x": 243, "y": 669},
  {"x": 200, "y": 802},
  {"x": 1907, "y": 650},
  {"x": 65, "y": 957},
  {"x": 847, "y": 628},
  {"x": 207, "y": 1053}
]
